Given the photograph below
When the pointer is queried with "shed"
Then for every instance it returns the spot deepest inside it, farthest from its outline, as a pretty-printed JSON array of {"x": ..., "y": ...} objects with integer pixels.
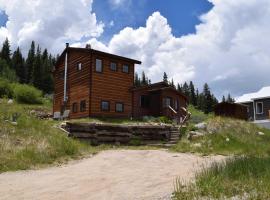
[{"x": 234, "y": 110}]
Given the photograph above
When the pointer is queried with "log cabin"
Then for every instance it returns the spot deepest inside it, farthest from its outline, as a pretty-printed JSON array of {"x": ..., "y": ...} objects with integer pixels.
[{"x": 92, "y": 83}]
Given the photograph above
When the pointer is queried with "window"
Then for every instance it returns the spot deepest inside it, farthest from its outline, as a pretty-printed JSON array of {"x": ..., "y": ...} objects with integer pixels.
[
  {"x": 259, "y": 108},
  {"x": 167, "y": 101},
  {"x": 75, "y": 107},
  {"x": 105, "y": 105},
  {"x": 98, "y": 65},
  {"x": 145, "y": 101},
  {"x": 79, "y": 66},
  {"x": 83, "y": 106},
  {"x": 119, "y": 107},
  {"x": 125, "y": 68},
  {"x": 176, "y": 105},
  {"x": 113, "y": 66}
]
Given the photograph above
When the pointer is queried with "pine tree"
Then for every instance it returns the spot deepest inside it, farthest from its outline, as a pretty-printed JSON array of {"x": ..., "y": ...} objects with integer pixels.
[
  {"x": 165, "y": 77},
  {"x": 5, "y": 52},
  {"x": 207, "y": 105},
  {"x": 30, "y": 63},
  {"x": 37, "y": 70},
  {"x": 230, "y": 99},
  {"x": 193, "y": 99},
  {"x": 179, "y": 88},
  {"x": 186, "y": 90},
  {"x": 47, "y": 79},
  {"x": 136, "y": 80},
  {"x": 18, "y": 65},
  {"x": 172, "y": 83},
  {"x": 223, "y": 99},
  {"x": 144, "y": 79}
]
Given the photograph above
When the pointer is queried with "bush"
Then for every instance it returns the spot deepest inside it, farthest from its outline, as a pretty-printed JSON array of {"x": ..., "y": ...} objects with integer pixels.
[
  {"x": 27, "y": 94},
  {"x": 164, "y": 120},
  {"x": 5, "y": 88}
]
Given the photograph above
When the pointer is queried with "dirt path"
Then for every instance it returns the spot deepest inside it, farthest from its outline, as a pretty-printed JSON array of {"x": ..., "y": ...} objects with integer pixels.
[{"x": 119, "y": 175}]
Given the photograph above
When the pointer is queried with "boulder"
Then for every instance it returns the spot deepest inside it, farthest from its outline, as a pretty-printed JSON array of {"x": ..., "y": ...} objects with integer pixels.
[
  {"x": 195, "y": 134},
  {"x": 260, "y": 133},
  {"x": 10, "y": 101},
  {"x": 201, "y": 125}
]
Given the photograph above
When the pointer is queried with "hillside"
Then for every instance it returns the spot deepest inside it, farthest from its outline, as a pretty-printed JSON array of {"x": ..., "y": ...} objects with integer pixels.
[{"x": 31, "y": 142}]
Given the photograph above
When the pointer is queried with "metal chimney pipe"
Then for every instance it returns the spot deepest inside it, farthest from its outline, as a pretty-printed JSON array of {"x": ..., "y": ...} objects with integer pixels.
[{"x": 65, "y": 76}]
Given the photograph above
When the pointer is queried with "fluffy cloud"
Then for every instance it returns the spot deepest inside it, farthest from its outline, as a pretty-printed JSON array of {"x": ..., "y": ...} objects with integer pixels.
[
  {"x": 230, "y": 49},
  {"x": 119, "y": 3},
  {"x": 50, "y": 22}
]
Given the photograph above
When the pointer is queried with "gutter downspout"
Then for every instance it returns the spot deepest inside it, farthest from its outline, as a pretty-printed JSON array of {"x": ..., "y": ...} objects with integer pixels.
[{"x": 65, "y": 77}]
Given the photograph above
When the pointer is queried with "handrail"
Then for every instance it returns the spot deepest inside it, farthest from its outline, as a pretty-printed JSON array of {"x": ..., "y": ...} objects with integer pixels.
[{"x": 172, "y": 109}]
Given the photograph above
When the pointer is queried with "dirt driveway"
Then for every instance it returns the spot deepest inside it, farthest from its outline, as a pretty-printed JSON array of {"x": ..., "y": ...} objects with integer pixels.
[{"x": 119, "y": 175}]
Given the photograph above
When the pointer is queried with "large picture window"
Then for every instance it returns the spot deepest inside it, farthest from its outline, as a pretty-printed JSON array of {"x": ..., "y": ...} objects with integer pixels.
[
  {"x": 167, "y": 101},
  {"x": 259, "y": 108},
  {"x": 98, "y": 65},
  {"x": 105, "y": 105}
]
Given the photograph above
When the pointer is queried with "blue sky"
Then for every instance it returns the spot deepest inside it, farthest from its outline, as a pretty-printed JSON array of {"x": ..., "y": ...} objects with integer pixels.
[
  {"x": 182, "y": 15},
  {"x": 228, "y": 48}
]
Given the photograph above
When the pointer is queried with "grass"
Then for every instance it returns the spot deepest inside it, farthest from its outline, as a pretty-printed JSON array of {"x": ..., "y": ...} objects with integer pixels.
[
  {"x": 228, "y": 137},
  {"x": 242, "y": 177},
  {"x": 33, "y": 142}
]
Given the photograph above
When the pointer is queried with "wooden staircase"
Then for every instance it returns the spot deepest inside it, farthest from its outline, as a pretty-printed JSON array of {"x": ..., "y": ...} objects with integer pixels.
[{"x": 175, "y": 136}]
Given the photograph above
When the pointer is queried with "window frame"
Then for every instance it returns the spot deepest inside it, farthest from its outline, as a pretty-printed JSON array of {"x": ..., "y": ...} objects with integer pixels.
[
  {"x": 128, "y": 68},
  {"x": 116, "y": 66},
  {"x": 176, "y": 102},
  {"x": 101, "y": 108},
  {"x": 84, "y": 108},
  {"x": 164, "y": 102},
  {"x": 257, "y": 113},
  {"x": 123, "y": 106},
  {"x": 79, "y": 66},
  {"x": 74, "y": 105},
  {"x": 101, "y": 65}
]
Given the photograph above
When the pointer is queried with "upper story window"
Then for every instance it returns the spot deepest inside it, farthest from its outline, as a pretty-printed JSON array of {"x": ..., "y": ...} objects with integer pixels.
[
  {"x": 79, "y": 66},
  {"x": 61, "y": 75},
  {"x": 145, "y": 101},
  {"x": 259, "y": 108},
  {"x": 83, "y": 106},
  {"x": 98, "y": 65},
  {"x": 119, "y": 107},
  {"x": 126, "y": 68},
  {"x": 113, "y": 66},
  {"x": 105, "y": 105}
]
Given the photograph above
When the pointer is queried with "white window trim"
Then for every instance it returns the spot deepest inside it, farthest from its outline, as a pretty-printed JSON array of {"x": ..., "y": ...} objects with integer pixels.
[{"x": 257, "y": 108}]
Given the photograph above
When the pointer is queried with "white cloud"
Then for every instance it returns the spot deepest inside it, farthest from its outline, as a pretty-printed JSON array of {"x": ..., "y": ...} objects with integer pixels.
[
  {"x": 51, "y": 23},
  {"x": 230, "y": 49},
  {"x": 120, "y": 3}
]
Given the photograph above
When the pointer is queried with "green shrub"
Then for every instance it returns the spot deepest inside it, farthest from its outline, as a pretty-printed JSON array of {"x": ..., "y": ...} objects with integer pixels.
[
  {"x": 5, "y": 88},
  {"x": 27, "y": 94},
  {"x": 164, "y": 120}
]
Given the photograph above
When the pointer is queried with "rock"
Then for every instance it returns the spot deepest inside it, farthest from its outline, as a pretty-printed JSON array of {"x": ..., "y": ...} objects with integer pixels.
[
  {"x": 201, "y": 125},
  {"x": 260, "y": 133},
  {"x": 10, "y": 101},
  {"x": 194, "y": 134},
  {"x": 197, "y": 145}
]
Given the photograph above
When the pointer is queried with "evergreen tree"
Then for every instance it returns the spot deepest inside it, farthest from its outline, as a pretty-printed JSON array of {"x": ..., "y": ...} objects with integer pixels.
[
  {"x": 223, "y": 99},
  {"x": 18, "y": 65},
  {"x": 37, "y": 70},
  {"x": 30, "y": 63},
  {"x": 144, "y": 79},
  {"x": 172, "y": 83},
  {"x": 137, "y": 80},
  {"x": 5, "y": 52},
  {"x": 165, "y": 77},
  {"x": 179, "y": 88},
  {"x": 208, "y": 102},
  {"x": 230, "y": 99},
  {"x": 186, "y": 90},
  {"x": 47, "y": 79},
  {"x": 193, "y": 99}
]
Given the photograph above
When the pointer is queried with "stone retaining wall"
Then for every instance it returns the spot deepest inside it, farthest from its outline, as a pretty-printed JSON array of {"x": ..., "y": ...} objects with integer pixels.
[{"x": 123, "y": 134}]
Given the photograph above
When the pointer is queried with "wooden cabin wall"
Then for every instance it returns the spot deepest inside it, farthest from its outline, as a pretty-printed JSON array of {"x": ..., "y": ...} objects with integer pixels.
[{"x": 112, "y": 86}]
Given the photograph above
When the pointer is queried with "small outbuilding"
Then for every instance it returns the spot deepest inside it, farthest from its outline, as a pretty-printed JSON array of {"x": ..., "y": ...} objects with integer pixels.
[{"x": 234, "y": 110}]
